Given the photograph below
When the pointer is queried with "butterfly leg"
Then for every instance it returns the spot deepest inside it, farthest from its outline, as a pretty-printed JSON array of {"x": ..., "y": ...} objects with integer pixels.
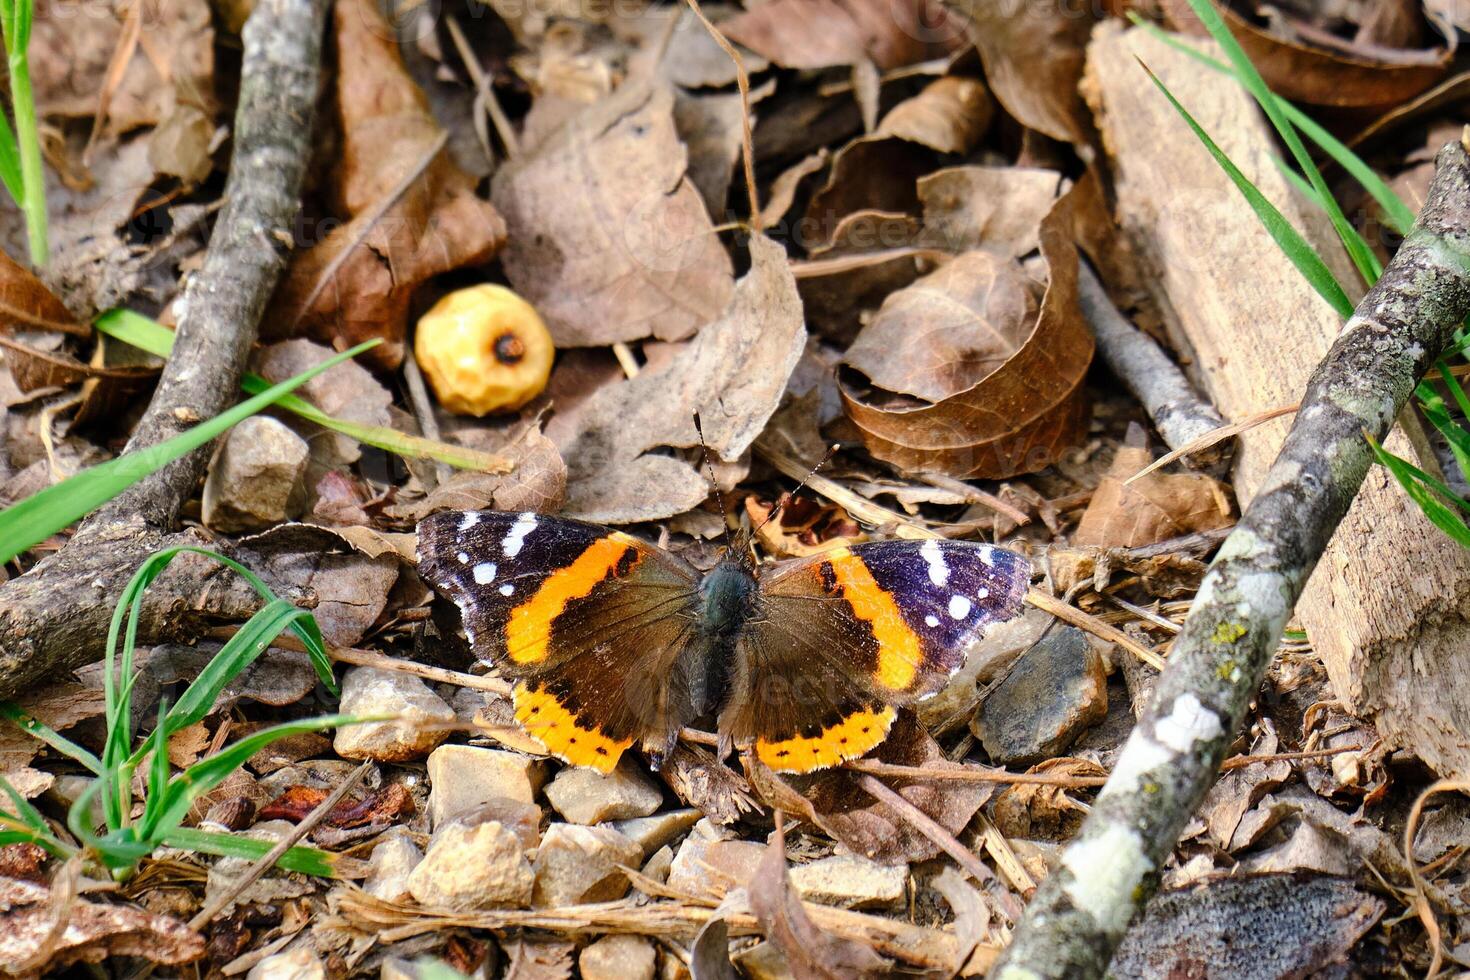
[{"x": 658, "y": 754}]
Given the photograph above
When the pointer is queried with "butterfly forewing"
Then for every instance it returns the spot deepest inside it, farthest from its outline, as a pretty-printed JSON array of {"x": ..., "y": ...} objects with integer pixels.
[{"x": 586, "y": 620}]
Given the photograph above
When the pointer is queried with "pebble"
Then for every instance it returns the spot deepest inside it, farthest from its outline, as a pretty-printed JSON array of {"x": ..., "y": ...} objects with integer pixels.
[
  {"x": 707, "y": 863},
  {"x": 1054, "y": 693},
  {"x": 652, "y": 833},
  {"x": 462, "y": 777},
  {"x": 586, "y": 796},
  {"x": 850, "y": 882},
  {"x": 577, "y": 864},
  {"x": 370, "y": 691},
  {"x": 658, "y": 866},
  {"x": 763, "y": 961},
  {"x": 472, "y": 867},
  {"x": 618, "y": 958},
  {"x": 297, "y": 964},
  {"x": 392, "y": 861},
  {"x": 254, "y": 479}
]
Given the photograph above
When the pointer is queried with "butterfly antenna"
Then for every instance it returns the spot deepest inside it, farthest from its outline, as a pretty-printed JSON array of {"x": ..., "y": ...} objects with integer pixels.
[
  {"x": 780, "y": 503},
  {"x": 719, "y": 496}
]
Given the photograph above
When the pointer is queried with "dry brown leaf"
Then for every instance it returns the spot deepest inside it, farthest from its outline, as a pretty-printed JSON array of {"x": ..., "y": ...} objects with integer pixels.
[
  {"x": 1018, "y": 402},
  {"x": 803, "y": 527},
  {"x": 538, "y": 481},
  {"x": 870, "y": 255},
  {"x": 94, "y": 932},
  {"x": 1038, "y": 810},
  {"x": 691, "y": 58},
  {"x": 996, "y": 209},
  {"x": 610, "y": 240},
  {"x": 833, "y": 33},
  {"x": 950, "y": 115},
  {"x": 733, "y": 374},
  {"x": 811, "y": 953},
  {"x": 542, "y": 959},
  {"x": 1316, "y": 66},
  {"x": 170, "y": 68},
  {"x": 1155, "y": 508},
  {"x": 1033, "y": 51},
  {"x": 711, "y": 128},
  {"x": 357, "y": 282}
]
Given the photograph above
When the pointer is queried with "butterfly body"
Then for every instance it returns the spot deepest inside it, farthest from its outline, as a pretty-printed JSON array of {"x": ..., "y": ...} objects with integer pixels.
[{"x": 609, "y": 640}]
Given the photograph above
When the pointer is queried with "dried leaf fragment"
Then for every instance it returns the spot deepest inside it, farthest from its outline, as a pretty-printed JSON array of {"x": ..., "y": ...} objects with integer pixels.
[
  {"x": 609, "y": 239},
  {"x": 1155, "y": 508},
  {"x": 833, "y": 33},
  {"x": 966, "y": 372}
]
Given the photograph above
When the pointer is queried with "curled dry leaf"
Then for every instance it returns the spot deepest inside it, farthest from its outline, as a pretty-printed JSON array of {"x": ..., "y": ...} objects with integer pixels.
[
  {"x": 1317, "y": 67},
  {"x": 835, "y": 33},
  {"x": 969, "y": 372},
  {"x": 356, "y": 283},
  {"x": 997, "y": 209},
  {"x": 1155, "y": 508},
  {"x": 377, "y": 807},
  {"x": 879, "y": 171},
  {"x": 1033, "y": 52},
  {"x": 733, "y": 374},
  {"x": 93, "y": 932},
  {"x": 803, "y": 527},
  {"x": 1037, "y": 810},
  {"x": 609, "y": 239},
  {"x": 870, "y": 255},
  {"x": 811, "y": 953}
]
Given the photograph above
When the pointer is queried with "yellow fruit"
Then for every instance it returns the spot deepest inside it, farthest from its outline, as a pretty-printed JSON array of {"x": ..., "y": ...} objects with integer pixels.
[{"x": 483, "y": 349}]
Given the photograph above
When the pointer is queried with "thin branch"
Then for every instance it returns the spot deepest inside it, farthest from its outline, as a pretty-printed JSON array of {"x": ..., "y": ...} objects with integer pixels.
[{"x": 1107, "y": 874}]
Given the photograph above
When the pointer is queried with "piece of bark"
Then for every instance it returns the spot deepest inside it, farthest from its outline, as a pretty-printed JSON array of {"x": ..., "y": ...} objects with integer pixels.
[
  {"x": 55, "y": 617},
  {"x": 1106, "y": 875},
  {"x": 1387, "y": 607}
]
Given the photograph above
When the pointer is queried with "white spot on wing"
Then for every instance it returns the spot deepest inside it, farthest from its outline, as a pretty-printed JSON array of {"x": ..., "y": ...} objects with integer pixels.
[
  {"x": 931, "y": 620},
  {"x": 982, "y": 593},
  {"x": 515, "y": 538},
  {"x": 464, "y": 558},
  {"x": 938, "y": 570},
  {"x": 507, "y": 589},
  {"x": 959, "y": 607},
  {"x": 468, "y": 521},
  {"x": 485, "y": 573},
  {"x": 986, "y": 554}
]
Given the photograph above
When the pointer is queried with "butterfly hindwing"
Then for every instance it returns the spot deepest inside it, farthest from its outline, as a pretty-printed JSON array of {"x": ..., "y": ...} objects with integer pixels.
[
  {"x": 846, "y": 634},
  {"x": 583, "y": 618}
]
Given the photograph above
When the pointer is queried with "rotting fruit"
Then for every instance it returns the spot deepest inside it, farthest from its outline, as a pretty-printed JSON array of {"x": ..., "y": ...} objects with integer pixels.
[{"x": 483, "y": 349}]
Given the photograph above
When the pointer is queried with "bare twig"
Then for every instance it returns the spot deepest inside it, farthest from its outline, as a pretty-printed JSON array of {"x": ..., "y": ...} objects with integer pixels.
[
  {"x": 54, "y": 618},
  {"x": 1110, "y": 870},
  {"x": 742, "y": 82}
]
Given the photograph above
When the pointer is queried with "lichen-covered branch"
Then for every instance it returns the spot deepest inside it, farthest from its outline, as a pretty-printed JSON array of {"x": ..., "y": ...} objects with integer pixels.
[
  {"x": 54, "y": 618},
  {"x": 1178, "y": 411},
  {"x": 1109, "y": 871}
]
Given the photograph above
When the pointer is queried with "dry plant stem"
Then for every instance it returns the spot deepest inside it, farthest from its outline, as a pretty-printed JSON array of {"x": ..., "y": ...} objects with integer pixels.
[
  {"x": 1179, "y": 412},
  {"x": 1106, "y": 875},
  {"x": 269, "y": 859},
  {"x": 54, "y": 618}
]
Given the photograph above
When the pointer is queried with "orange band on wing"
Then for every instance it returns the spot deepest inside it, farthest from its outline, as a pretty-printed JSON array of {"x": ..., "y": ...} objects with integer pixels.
[
  {"x": 846, "y": 739},
  {"x": 899, "y": 654},
  {"x": 547, "y": 720},
  {"x": 528, "y": 631}
]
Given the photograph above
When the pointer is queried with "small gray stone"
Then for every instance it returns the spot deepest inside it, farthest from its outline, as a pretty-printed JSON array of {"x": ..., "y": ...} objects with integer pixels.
[
  {"x": 658, "y": 866},
  {"x": 462, "y": 777},
  {"x": 576, "y": 865},
  {"x": 392, "y": 861},
  {"x": 651, "y": 833},
  {"x": 470, "y": 868},
  {"x": 583, "y": 795},
  {"x": 709, "y": 864},
  {"x": 850, "y": 882},
  {"x": 254, "y": 479},
  {"x": 763, "y": 961},
  {"x": 370, "y": 691},
  {"x": 1052, "y": 694},
  {"x": 618, "y": 958},
  {"x": 296, "y": 964}
]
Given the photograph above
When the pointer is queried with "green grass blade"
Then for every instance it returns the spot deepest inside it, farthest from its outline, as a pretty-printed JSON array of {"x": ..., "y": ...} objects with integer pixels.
[
  {"x": 1287, "y": 238},
  {"x": 12, "y": 712},
  {"x": 1246, "y": 73},
  {"x": 27, "y": 814},
  {"x": 238, "y": 653},
  {"x": 1430, "y": 494},
  {"x": 41, "y": 515},
  {"x": 304, "y": 860},
  {"x": 1297, "y": 181},
  {"x": 208, "y": 773},
  {"x": 1400, "y": 216},
  {"x": 148, "y": 335},
  {"x": 10, "y": 162}
]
